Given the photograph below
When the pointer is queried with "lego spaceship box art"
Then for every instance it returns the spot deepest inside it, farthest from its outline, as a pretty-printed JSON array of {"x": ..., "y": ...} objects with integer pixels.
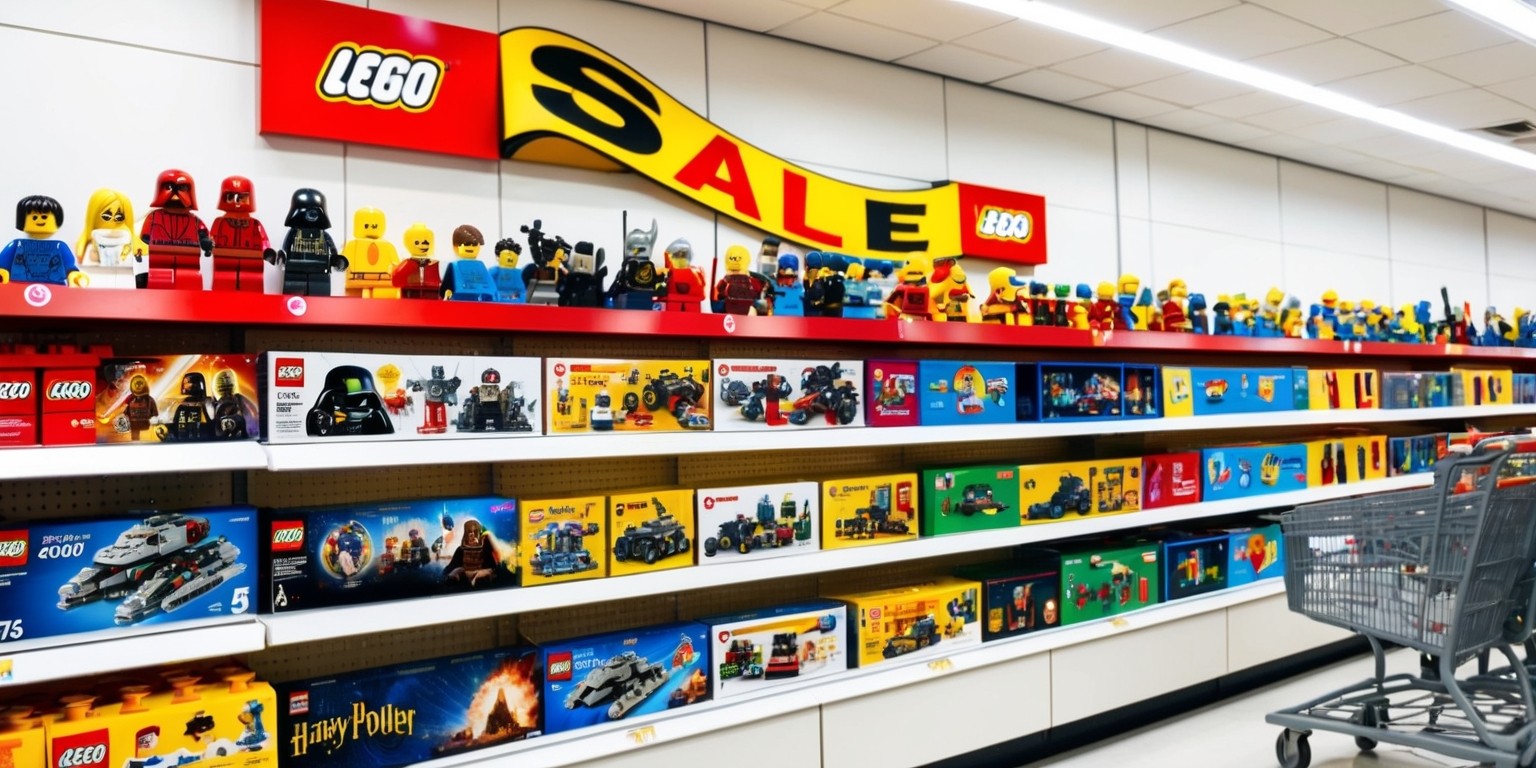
[
  {"x": 59, "y": 578},
  {"x": 603, "y": 678},
  {"x": 391, "y": 551},
  {"x": 789, "y": 394},
  {"x": 316, "y": 397},
  {"x": 177, "y": 399},
  {"x": 411, "y": 712}
]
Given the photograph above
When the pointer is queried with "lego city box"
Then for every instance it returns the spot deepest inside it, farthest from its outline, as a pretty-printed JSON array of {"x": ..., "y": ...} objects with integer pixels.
[
  {"x": 878, "y": 509},
  {"x": 411, "y": 712},
  {"x": 318, "y": 397},
  {"x": 1415, "y": 389},
  {"x": 1170, "y": 479},
  {"x": 604, "y": 678},
  {"x": 965, "y": 392},
  {"x": 377, "y": 552},
  {"x": 177, "y": 399},
  {"x": 59, "y": 578},
  {"x": 758, "y": 521},
  {"x": 1218, "y": 391},
  {"x": 1017, "y": 598},
  {"x": 563, "y": 539},
  {"x": 1072, "y": 391},
  {"x": 921, "y": 621},
  {"x": 584, "y": 396},
  {"x": 650, "y": 530},
  {"x": 1109, "y": 578},
  {"x": 892, "y": 393},
  {"x": 765, "y": 648},
  {"x": 1345, "y": 459},
  {"x": 1483, "y": 386},
  {"x": 1524, "y": 389},
  {"x": 767, "y": 394},
  {"x": 962, "y": 499},
  {"x": 1178, "y": 391},
  {"x": 1333, "y": 389},
  {"x": 1194, "y": 563},
  {"x": 1238, "y": 471},
  {"x": 1257, "y": 553}
]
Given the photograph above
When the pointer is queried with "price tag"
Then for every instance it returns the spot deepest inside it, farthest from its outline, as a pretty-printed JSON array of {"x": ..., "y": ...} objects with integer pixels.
[
  {"x": 1119, "y": 622},
  {"x": 7, "y": 670},
  {"x": 643, "y": 735},
  {"x": 939, "y": 666}
]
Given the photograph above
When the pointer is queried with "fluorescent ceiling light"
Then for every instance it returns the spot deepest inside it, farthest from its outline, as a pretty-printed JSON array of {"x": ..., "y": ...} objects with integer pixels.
[
  {"x": 1075, "y": 23},
  {"x": 1512, "y": 15}
]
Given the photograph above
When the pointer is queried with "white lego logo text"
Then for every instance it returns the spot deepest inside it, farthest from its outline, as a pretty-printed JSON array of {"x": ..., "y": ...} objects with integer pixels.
[
  {"x": 13, "y": 549},
  {"x": 365, "y": 74},
  {"x": 83, "y": 756},
  {"x": 15, "y": 390},
  {"x": 69, "y": 390},
  {"x": 288, "y": 536},
  {"x": 1005, "y": 225},
  {"x": 290, "y": 372}
]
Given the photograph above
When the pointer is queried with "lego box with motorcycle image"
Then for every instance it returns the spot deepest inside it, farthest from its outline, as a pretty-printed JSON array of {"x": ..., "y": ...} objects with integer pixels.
[{"x": 788, "y": 394}]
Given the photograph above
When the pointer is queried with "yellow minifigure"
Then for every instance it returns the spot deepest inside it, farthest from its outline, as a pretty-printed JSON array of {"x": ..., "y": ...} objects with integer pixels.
[
  {"x": 38, "y": 258},
  {"x": 954, "y": 303},
  {"x": 371, "y": 259},
  {"x": 419, "y": 276},
  {"x": 109, "y": 247},
  {"x": 1409, "y": 327},
  {"x": 910, "y": 299},
  {"x": 1004, "y": 305}
]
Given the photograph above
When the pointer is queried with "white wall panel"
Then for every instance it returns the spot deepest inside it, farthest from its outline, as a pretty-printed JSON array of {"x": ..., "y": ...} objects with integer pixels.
[
  {"x": 1199, "y": 184},
  {"x": 1508, "y": 294},
  {"x": 1311, "y": 271},
  {"x": 1212, "y": 262},
  {"x": 1081, "y": 246},
  {"x": 1132, "y": 186},
  {"x": 1265, "y": 630},
  {"x": 1328, "y": 210},
  {"x": 1136, "y": 249},
  {"x": 786, "y": 740},
  {"x": 441, "y": 192},
  {"x": 1434, "y": 231},
  {"x": 1511, "y": 245},
  {"x": 220, "y": 30},
  {"x": 1417, "y": 282},
  {"x": 1099, "y": 676}
]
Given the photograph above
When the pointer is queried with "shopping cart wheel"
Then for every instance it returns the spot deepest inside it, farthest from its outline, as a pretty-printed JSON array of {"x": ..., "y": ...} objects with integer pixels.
[
  {"x": 1291, "y": 749},
  {"x": 1365, "y": 743}
]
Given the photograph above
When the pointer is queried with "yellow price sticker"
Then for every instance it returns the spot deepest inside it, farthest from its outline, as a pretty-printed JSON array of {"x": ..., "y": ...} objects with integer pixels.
[
  {"x": 941, "y": 665},
  {"x": 644, "y": 735},
  {"x": 1119, "y": 623}
]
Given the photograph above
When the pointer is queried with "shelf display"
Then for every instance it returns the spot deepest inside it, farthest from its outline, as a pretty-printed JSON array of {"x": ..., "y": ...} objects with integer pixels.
[
  {"x": 650, "y": 530},
  {"x": 969, "y": 499},
  {"x": 859, "y": 511},
  {"x": 1017, "y": 598},
  {"x": 758, "y": 521},
  {"x": 601, "y": 396},
  {"x": 46, "y": 395},
  {"x": 601, "y": 678},
  {"x": 177, "y": 398},
  {"x": 913, "y": 622},
  {"x": 763, "y": 394},
  {"x": 760, "y": 649}
]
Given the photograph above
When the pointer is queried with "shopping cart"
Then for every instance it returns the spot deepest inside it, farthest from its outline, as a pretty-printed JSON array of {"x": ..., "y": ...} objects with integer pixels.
[{"x": 1445, "y": 571}]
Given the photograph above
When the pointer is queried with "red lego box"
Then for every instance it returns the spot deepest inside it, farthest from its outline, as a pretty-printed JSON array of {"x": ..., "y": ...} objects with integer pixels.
[
  {"x": 18, "y": 405},
  {"x": 893, "y": 397},
  {"x": 48, "y": 395},
  {"x": 1170, "y": 479}
]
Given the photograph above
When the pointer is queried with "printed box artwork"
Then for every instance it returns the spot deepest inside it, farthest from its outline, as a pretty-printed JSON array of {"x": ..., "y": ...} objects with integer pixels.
[
  {"x": 893, "y": 393},
  {"x": 957, "y": 392},
  {"x": 1109, "y": 579},
  {"x": 1170, "y": 479},
  {"x": 1049, "y": 492},
  {"x": 601, "y": 396},
  {"x": 1343, "y": 388},
  {"x": 178, "y": 398},
  {"x": 754, "y": 650},
  {"x": 758, "y": 521},
  {"x": 1346, "y": 459},
  {"x": 413, "y": 712},
  {"x": 1411, "y": 389},
  {"x": 1143, "y": 396},
  {"x": 1178, "y": 391},
  {"x": 1482, "y": 386},
  {"x": 1195, "y": 564},
  {"x": 1243, "y": 390},
  {"x": 309, "y": 397},
  {"x": 370, "y": 553},
  {"x": 563, "y": 539},
  {"x": 23, "y": 741},
  {"x": 1239, "y": 471},
  {"x": 603, "y": 678},
  {"x": 650, "y": 530},
  {"x": 1017, "y": 599},
  {"x": 969, "y": 499},
  {"x": 57, "y": 578},
  {"x": 915, "y": 622},
  {"x": 857, "y": 511},
  {"x": 1414, "y": 454},
  {"x": 1065, "y": 391},
  {"x": 1257, "y": 553},
  {"x": 765, "y": 394}
]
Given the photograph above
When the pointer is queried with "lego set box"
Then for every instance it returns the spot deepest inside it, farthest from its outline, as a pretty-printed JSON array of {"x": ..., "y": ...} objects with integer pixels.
[
  {"x": 1178, "y": 391},
  {"x": 1099, "y": 580},
  {"x": 1481, "y": 386},
  {"x": 563, "y": 539},
  {"x": 177, "y": 399},
  {"x": 650, "y": 530},
  {"x": 1170, "y": 479},
  {"x": 1019, "y": 598},
  {"x": 1049, "y": 492},
  {"x": 957, "y": 392},
  {"x": 601, "y": 396},
  {"x": 857, "y": 511},
  {"x": 602, "y": 678},
  {"x": 969, "y": 499},
  {"x": 368, "y": 553},
  {"x": 1410, "y": 455},
  {"x": 58, "y": 578},
  {"x": 23, "y": 741},
  {"x": 309, "y": 397},
  {"x": 1194, "y": 564},
  {"x": 914, "y": 622},
  {"x": 754, "y": 650},
  {"x": 758, "y": 521},
  {"x": 764, "y": 394},
  {"x": 47, "y": 396},
  {"x": 1346, "y": 459},
  {"x": 1524, "y": 392},
  {"x": 1219, "y": 391},
  {"x": 413, "y": 712},
  {"x": 1333, "y": 389},
  {"x": 1415, "y": 389},
  {"x": 893, "y": 397},
  {"x": 1233, "y": 472},
  {"x": 1257, "y": 553},
  {"x": 1063, "y": 391}
]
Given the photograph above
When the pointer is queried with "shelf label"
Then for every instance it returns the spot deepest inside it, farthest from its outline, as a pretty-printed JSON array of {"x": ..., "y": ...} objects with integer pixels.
[
  {"x": 37, "y": 295},
  {"x": 729, "y": 323},
  {"x": 1119, "y": 622},
  {"x": 297, "y": 306},
  {"x": 642, "y": 735},
  {"x": 940, "y": 666},
  {"x": 7, "y": 670}
]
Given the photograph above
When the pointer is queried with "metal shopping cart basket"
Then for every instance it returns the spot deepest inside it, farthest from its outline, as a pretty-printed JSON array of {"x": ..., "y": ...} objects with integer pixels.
[{"x": 1444, "y": 571}]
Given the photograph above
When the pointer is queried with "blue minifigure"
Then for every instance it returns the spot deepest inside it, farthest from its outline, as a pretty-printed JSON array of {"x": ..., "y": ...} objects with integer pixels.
[
  {"x": 634, "y": 287},
  {"x": 862, "y": 298},
  {"x": 789, "y": 291},
  {"x": 506, "y": 275},
  {"x": 466, "y": 279},
  {"x": 38, "y": 258},
  {"x": 1198, "y": 323},
  {"x": 1130, "y": 288},
  {"x": 1221, "y": 319}
]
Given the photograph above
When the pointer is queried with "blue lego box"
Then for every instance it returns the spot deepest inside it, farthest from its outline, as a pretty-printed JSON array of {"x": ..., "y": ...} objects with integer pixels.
[
  {"x": 603, "y": 678},
  {"x": 1194, "y": 564},
  {"x": 1248, "y": 390},
  {"x": 1418, "y": 453},
  {"x": 368, "y": 553},
  {"x": 1234, "y": 472},
  {"x": 1061, "y": 391},
  {"x": 1257, "y": 553},
  {"x": 765, "y": 648},
  {"x": 1415, "y": 389},
  {"x": 958, "y": 392},
  {"x": 60, "y": 578},
  {"x": 412, "y": 712},
  {"x": 1525, "y": 389}
]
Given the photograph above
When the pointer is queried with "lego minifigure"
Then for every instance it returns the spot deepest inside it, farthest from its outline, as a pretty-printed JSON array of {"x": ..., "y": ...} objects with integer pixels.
[
  {"x": 788, "y": 292},
  {"x": 232, "y": 411},
  {"x": 1175, "y": 308},
  {"x": 1107, "y": 311},
  {"x": 475, "y": 560},
  {"x": 419, "y": 276},
  {"x": 175, "y": 237},
  {"x": 371, "y": 258},
  {"x": 1329, "y": 312},
  {"x": 1005, "y": 303},
  {"x": 308, "y": 255},
  {"x": 634, "y": 287},
  {"x": 768, "y": 255},
  {"x": 109, "y": 249},
  {"x": 466, "y": 279},
  {"x": 548, "y": 269},
  {"x": 38, "y": 257},
  {"x": 1497, "y": 332},
  {"x": 1221, "y": 317},
  {"x": 239, "y": 240},
  {"x": 1129, "y": 292},
  {"x": 682, "y": 286},
  {"x": 910, "y": 299},
  {"x": 865, "y": 298},
  {"x": 826, "y": 294},
  {"x": 1041, "y": 306},
  {"x": 1268, "y": 323},
  {"x": 506, "y": 275},
  {"x": 740, "y": 291},
  {"x": 396, "y": 400},
  {"x": 1077, "y": 311},
  {"x": 439, "y": 392},
  {"x": 956, "y": 301},
  {"x": 1198, "y": 322},
  {"x": 139, "y": 409}
]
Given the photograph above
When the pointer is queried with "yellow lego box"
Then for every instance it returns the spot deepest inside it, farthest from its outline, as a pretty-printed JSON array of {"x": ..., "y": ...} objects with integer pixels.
[
  {"x": 879, "y": 509},
  {"x": 601, "y": 396},
  {"x": 1482, "y": 386},
  {"x": 23, "y": 742},
  {"x": 1346, "y": 459},
  {"x": 563, "y": 539},
  {"x": 1178, "y": 389},
  {"x": 650, "y": 530},
  {"x": 923, "y": 621},
  {"x": 1334, "y": 389},
  {"x": 1050, "y": 492}
]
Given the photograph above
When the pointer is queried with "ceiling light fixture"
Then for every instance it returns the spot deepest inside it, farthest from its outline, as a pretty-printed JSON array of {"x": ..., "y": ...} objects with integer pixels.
[
  {"x": 1509, "y": 15},
  {"x": 1075, "y": 23}
]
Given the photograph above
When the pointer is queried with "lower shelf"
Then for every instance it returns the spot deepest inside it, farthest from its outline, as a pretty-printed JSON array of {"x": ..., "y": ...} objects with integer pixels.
[{"x": 114, "y": 650}]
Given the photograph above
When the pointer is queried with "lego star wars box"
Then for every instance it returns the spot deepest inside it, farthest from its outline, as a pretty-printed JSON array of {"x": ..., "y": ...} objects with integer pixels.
[
  {"x": 921, "y": 621},
  {"x": 318, "y": 397},
  {"x": 755, "y": 650},
  {"x": 893, "y": 397},
  {"x": 1170, "y": 479},
  {"x": 650, "y": 530},
  {"x": 1017, "y": 598},
  {"x": 758, "y": 521},
  {"x": 766, "y": 394},
  {"x": 1194, "y": 563},
  {"x": 1257, "y": 553},
  {"x": 58, "y": 578},
  {"x": 1239, "y": 471},
  {"x": 1415, "y": 389},
  {"x": 1049, "y": 492},
  {"x": 369, "y": 553},
  {"x": 966, "y": 499},
  {"x": 603, "y": 678},
  {"x": 412, "y": 712},
  {"x": 604, "y": 396},
  {"x": 563, "y": 539},
  {"x": 959, "y": 392},
  {"x": 1105, "y": 579},
  {"x": 177, "y": 399},
  {"x": 857, "y": 511}
]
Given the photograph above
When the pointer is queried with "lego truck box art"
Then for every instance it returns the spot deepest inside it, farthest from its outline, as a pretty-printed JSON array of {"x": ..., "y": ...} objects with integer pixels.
[
  {"x": 857, "y": 511},
  {"x": 650, "y": 530},
  {"x": 922, "y": 621},
  {"x": 318, "y": 397},
  {"x": 368, "y": 553},
  {"x": 59, "y": 578},
  {"x": 758, "y": 521},
  {"x": 177, "y": 399},
  {"x": 754, "y": 650},
  {"x": 605, "y": 396},
  {"x": 766, "y": 394},
  {"x": 892, "y": 393},
  {"x": 603, "y": 678},
  {"x": 411, "y": 712}
]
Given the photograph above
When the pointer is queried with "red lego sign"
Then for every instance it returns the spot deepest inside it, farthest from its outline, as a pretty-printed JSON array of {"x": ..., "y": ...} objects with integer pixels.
[
  {"x": 288, "y": 536},
  {"x": 13, "y": 549},
  {"x": 1003, "y": 225},
  {"x": 82, "y": 750},
  {"x": 289, "y": 371},
  {"x": 559, "y": 667}
]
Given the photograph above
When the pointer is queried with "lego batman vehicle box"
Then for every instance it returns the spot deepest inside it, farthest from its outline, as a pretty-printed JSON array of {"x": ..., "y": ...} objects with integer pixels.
[
  {"x": 603, "y": 678},
  {"x": 958, "y": 392},
  {"x": 1017, "y": 598},
  {"x": 893, "y": 397},
  {"x": 321, "y": 397},
  {"x": 969, "y": 499},
  {"x": 878, "y": 509},
  {"x": 563, "y": 539},
  {"x": 754, "y": 650},
  {"x": 788, "y": 394},
  {"x": 59, "y": 578},
  {"x": 412, "y": 712},
  {"x": 757, "y": 521},
  {"x": 369, "y": 553},
  {"x": 584, "y": 396},
  {"x": 650, "y": 530},
  {"x": 177, "y": 399},
  {"x": 920, "y": 621}
]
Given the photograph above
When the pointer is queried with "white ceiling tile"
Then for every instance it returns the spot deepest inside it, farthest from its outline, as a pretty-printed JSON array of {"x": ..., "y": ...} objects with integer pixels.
[
  {"x": 1433, "y": 37},
  {"x": 1276, "y": 144},
  {"x": 1486, "y": 66},
  {"x": 1242, "y": 32},
  {"x": 1247, "y": 104},
  {"x": 1051, "y": 86},
  {"x": 756, "y": 15},
  {"x": 1376, "y": 168},
  {"x": 1142, "y": 15},
  {"x": 1326, "y": 157},
  {"x": 1183, "y": 120},
  {"x": 1346, "y": 17},
  {"x": 1391, "y": 86},
  {"x": 1119, "y": 68},
  {"x": 1191, "y": 89},
  {"x": 840, "y": 33},
  {"x": 1340, "y": 131},
  {"x": 1131, "y": 106},
  {"x": 818, "y": 4},
  {"x": 962, "y": 63},
  {"x": 1470, "y": 108},
  {"x": 1030, "y": 43},
  {"x": 1327, "y": 61},
  {"x": 1230, "y": 132},
  {"x": 938, "y": 19},
  {"x": 1398, "y": 148},
  {"x": 1292, "y": 117},
  {"x": 1522, "y": 90}
]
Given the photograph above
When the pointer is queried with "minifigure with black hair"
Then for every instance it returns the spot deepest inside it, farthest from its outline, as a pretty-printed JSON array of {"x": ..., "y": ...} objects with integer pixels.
[{"x": 38, "y": 257}]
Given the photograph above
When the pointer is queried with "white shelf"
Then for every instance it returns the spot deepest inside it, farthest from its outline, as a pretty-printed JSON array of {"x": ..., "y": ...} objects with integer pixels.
[
  {"x": 112, "y": 650},
  {"x": 721, "y": 715},
  {"x": 304, "y": 626},
  {"x": 129, "y": 459}
]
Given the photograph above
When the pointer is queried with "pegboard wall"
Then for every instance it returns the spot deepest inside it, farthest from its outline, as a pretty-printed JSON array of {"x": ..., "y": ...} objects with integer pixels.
[
  {"x": 298, "y": 489},
  {"x": 96, "y": 496},
  {"x": 332, "y": 657}
]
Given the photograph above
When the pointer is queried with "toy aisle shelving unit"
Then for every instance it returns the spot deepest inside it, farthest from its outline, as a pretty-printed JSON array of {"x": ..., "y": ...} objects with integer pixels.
[{"x": 1058, "y": 676}]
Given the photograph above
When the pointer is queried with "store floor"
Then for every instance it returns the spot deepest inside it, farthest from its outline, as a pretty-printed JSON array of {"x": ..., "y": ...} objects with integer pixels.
[{"x": 1233, "y": 734}]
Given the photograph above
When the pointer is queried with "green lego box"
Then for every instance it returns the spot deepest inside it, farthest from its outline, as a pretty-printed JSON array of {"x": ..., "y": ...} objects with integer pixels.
[
  {"x": 1108, "y": 579},
  {"x": 965, "y": 499}
]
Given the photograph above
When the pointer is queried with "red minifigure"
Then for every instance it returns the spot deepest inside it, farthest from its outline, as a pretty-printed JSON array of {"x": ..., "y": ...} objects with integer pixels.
[
  {"x": 176, "y": 237},
  {"x": 1175, "y": 318},
  {"x": 910, "y": 299},
  {"x": 1105, "y": 309},
  {"x": 418, "y": 276},
  {"x": 682, "y": 287},
  {"x": 239, "y": 240},
  {"x": 739, "y": 291}
]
